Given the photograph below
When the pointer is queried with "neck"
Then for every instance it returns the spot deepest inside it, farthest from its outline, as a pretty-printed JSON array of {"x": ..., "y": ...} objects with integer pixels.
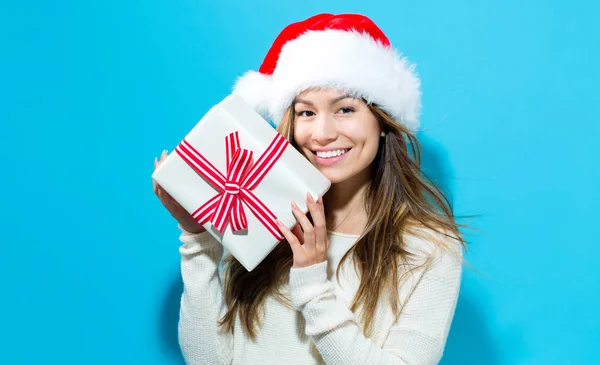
[{"x": 344, "y": 204}]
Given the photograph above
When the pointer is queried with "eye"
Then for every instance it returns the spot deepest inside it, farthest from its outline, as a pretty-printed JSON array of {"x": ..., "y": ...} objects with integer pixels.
[
  {"x": 346, "y": 110},
  {"x": 304, "y": 113}
]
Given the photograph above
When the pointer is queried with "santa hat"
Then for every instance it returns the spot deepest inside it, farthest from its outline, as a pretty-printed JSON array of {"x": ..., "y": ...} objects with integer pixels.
[{"x": 347, "y": 52}]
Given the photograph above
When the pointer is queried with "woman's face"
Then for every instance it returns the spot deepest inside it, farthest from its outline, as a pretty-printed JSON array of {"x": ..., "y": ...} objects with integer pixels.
[{"x": 337, "y": 133}]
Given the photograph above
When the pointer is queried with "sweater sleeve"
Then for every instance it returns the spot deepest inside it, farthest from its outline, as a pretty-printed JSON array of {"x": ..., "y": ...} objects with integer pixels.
[
  {"x": 201, "y": 339},
  {"x": 417, "y": 337}
]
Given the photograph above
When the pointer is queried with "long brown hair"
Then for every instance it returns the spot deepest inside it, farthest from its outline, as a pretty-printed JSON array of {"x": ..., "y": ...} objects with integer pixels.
[{"x": 399, "y": 199}]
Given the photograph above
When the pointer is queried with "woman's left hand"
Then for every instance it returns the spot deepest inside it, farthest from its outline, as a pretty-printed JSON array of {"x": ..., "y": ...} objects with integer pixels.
[{"x": 310, "y": 245}]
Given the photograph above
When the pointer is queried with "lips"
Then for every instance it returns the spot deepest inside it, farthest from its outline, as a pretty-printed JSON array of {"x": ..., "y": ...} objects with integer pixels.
[
  {"x": 331, "y": 153},
  {"x": 330, "y": 157}
]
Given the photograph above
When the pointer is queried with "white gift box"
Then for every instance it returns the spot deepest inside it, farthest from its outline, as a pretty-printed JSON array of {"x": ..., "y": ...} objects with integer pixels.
[{"x": 289, "y": 179}]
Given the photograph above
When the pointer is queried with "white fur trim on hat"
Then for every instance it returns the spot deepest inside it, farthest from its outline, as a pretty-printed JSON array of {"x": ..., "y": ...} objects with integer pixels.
[
  {"x": 255, "y": 88},
  {"x": 346, "y": 60}
]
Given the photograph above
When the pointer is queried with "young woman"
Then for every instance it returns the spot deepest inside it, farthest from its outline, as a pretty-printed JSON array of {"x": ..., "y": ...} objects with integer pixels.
[{"x": 372, "y": 274}]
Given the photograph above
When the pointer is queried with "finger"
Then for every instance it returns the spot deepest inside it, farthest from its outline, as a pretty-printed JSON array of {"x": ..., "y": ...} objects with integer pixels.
[
  {"x": 292, "y": 240},
  {"x": 307, "y": 227},
  {"x": 318, "y": 217},
  {"x": 163, "y": 156},
  {"x": 322, "y": 207},
  {"x": 297, "y": 231}
]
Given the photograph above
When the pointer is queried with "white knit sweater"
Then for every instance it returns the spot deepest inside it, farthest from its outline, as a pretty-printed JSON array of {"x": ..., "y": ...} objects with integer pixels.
[{"x": 320, "y": 328}]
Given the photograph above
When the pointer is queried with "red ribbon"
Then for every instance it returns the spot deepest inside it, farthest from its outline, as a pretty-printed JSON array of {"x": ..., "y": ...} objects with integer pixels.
[{"x": 235, "y": 188}]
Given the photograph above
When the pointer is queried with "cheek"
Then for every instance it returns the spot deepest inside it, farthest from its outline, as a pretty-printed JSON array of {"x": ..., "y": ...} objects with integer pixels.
[
  {"x": 366, "y": 135},
  {"x": 300, "y": 134},
  {"x": 369, "y": 138},
  {"x": 301, "y": 137},
  {"x": 369, "y": 150}
]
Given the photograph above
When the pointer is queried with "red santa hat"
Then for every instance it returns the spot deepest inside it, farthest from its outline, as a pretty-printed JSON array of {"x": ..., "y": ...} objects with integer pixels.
[{"x": 347, "y": 52}]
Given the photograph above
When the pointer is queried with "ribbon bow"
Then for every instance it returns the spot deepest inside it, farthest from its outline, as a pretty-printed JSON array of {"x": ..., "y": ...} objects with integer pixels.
[{"x": 236, "y": 186}]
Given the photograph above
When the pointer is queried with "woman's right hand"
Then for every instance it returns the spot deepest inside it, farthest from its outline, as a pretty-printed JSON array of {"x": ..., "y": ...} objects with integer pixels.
[{"x": 187, "y": 222}]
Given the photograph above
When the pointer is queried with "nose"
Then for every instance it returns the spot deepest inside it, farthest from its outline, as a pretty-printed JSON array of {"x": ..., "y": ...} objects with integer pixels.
[{"x": 325, "y": 129}]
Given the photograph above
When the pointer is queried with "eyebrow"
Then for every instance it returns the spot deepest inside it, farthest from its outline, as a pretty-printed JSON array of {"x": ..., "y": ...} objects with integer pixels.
[{"x": 339, "y": 98}]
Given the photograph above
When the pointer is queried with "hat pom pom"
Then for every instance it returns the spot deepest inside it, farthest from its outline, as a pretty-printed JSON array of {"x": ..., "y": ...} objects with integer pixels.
[{"x": 255, "y": 88}]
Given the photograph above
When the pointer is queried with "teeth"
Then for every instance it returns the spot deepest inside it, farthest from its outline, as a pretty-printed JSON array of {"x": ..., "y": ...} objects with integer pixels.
[{"x": 330, "y": 154}]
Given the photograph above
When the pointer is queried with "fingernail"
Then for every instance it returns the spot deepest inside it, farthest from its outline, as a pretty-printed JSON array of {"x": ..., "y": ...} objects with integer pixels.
[
  {"x": 294, "y": 206},
  {"x": 320, "y": 200},
  {"x": 310, "y": 198},
  {"x": 278, "y": 222}
]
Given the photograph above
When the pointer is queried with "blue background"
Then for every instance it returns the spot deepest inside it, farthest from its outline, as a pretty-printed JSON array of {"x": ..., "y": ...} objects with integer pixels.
[{"x": 92, "y": 91}]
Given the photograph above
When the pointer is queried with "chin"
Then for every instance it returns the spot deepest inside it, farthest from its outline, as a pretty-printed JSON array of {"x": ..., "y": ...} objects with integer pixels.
[{"x": 335, "y": 176}]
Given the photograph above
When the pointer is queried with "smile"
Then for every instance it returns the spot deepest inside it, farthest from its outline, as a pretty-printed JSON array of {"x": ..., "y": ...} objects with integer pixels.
[
  {"x": 331, "y": 154},
  {"x": 331, "y": 157}
]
